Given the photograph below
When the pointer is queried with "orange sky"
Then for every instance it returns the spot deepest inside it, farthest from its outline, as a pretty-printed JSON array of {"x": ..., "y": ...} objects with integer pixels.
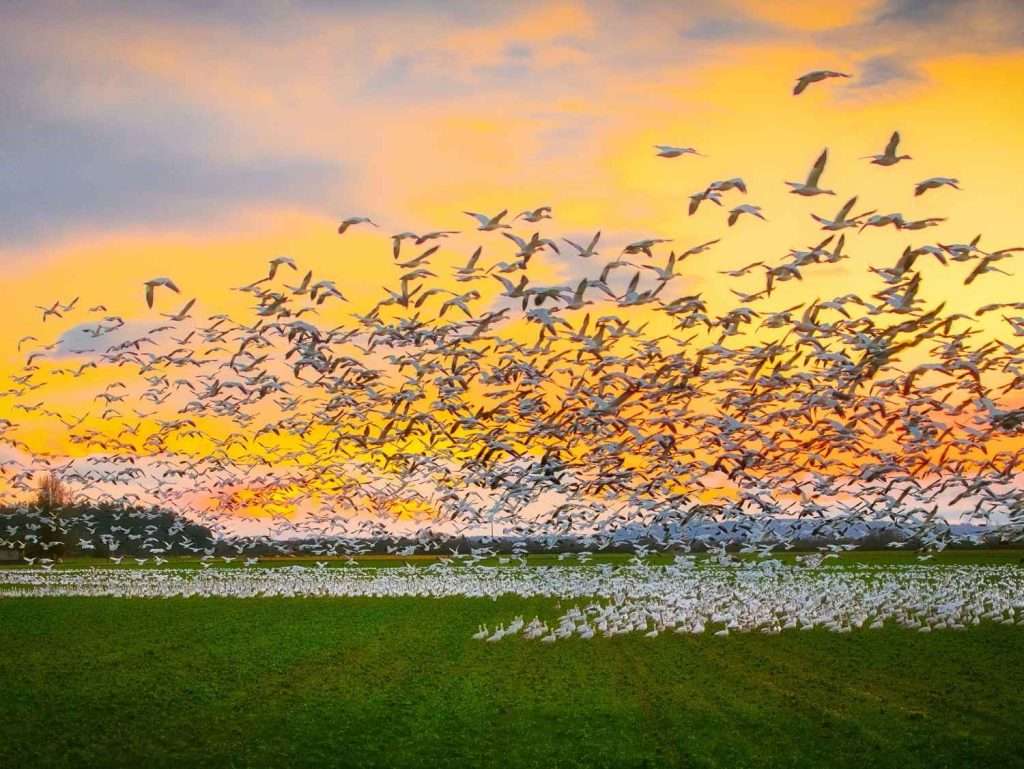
[{"x": 195, "y": 145}]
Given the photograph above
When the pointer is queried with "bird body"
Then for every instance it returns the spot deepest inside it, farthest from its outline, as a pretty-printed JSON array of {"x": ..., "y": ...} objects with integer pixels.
[
  {"x": 889, "y": 156},
  {"x": 669, "y": 151},
  {"x": 810, "y": 187},
  {"x": 352, "y": 221},
  {"x": 152, "y": 285},
  {"x": 815, "y": 76}
]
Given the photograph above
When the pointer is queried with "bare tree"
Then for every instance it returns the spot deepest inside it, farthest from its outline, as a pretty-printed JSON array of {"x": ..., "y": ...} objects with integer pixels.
[{"x": 52, "y": 492}]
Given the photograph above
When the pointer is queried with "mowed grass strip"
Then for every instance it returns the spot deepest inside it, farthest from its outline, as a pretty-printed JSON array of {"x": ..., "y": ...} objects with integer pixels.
[{"x": 399, "y": 682}]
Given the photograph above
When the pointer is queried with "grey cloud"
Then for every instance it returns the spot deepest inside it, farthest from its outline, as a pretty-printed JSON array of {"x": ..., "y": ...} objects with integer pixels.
[
  {"x": 915, "y": 11},
  {"x": 929, "y": 27},
  {"x": 903, "y": 32},
  {"x": 83, "y": 341},
  {"x": 881, "y": 70},
  {"x": 65, "y": 163},
  {"x": 261, "y": 18},
  {"x": 63, "y": 174},
  {"x": 732, "y": 28}
]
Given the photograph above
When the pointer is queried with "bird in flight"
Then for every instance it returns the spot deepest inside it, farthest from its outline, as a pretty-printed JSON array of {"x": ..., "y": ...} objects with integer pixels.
[
  {"x": 842, "y": 219},
  {"x": 745, "y": 208},
  {"x": 489, "y": 223},
  {"x": 589, "y": 250},
  {"x": 535, "y": 215},
  {"x": 668, "y": 151},
  {"x": 934, "y": 183},
  {"x": 810, "y": 187},
  {"x": 352, "y": 221},
  {"x": 152, "y": 285},
  {"x": 889, "y": 156},
  {"x": 814, "y": 77}
]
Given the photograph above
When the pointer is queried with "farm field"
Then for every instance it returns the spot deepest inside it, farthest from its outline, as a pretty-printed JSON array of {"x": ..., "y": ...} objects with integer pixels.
[
  {"x": 854, "y": 558},
  {"x": 370, "y": 682}
]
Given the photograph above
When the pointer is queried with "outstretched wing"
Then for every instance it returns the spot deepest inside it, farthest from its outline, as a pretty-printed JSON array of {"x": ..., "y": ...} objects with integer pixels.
[
  {"x": 819, "y": 166},
  {"x": 845, "y": 210},
  {"x": 894, "y": 141}
]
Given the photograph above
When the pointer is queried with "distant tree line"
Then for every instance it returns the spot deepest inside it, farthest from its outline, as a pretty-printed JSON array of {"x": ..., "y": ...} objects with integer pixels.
[{"x": 56, "y": 526}]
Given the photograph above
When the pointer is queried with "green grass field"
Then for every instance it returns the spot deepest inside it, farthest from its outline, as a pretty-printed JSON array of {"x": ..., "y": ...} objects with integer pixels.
[
  {"x": 399, "y": 682},
  {"x": 978, "y": 556}
]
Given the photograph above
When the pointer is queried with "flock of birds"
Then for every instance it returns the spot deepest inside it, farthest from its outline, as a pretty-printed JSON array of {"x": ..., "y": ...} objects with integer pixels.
[
  {"x": 475, "y": 399},
  {"x": 686, "y": 597}
]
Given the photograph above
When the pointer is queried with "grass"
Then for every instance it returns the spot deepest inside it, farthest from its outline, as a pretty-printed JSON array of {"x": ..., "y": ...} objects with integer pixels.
[
  {"x": 398, "y": 682},
  {"x": 964, "y": 556}
]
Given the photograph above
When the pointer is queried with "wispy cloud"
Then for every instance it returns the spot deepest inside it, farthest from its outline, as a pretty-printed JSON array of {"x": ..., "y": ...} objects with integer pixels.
[{"x": 882, "y": 70}]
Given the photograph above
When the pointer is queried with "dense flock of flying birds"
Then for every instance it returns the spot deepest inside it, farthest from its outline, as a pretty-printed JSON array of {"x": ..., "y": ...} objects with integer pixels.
[{"x": 475, "y": 399}]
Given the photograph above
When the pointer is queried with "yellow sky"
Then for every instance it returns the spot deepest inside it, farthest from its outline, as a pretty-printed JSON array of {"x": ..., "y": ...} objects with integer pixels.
[{"x": 219, "y": 146}]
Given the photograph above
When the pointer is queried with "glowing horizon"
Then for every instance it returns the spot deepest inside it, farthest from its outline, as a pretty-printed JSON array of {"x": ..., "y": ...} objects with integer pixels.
[{"x": 209, "y": 147}]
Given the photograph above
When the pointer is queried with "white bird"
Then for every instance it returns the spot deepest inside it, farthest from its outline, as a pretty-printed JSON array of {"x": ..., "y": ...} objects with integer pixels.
[
  {"x": 352, "y": 221},
  {"x": 889, "y": 156},
  {"x": 181, "y": 314},
  {"x": 535, "y": 214},
  {"x": 668, "y": 151},
  {"x": 842, "y": 219},
  {"x": 644, "y": 246},
  {"x": 488, "y": 223},
  {"x": 591, "y": 248},
  {"x": 810, "y": 187},
  {"x": 724, "y": 185},
  {"x": 699, "y": 197},
  {"x": 151, "y": 286},
  {"x": 934, "y": 183},
  {"x": 745, "y": 208},
  {"x": 277, "y": 262}
]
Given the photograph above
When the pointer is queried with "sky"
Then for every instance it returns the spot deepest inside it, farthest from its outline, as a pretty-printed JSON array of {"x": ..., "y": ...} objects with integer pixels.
[
  {"x": 193, "y": 125},
  {"x": 200, "y": 139}
]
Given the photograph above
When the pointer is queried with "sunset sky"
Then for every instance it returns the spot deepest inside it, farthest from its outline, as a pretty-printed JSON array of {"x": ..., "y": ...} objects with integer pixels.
[
  {"x": 199, "y": 140},
  {"x": 166, "y": 136}
]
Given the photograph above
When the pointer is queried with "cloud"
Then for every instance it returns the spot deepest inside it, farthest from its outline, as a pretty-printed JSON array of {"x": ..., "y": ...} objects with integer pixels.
[
  {"x": 60, "y": 175},
  {"x": 916, "y": 11},
  {"x": 927, "y": 28},
  {"x": 732, "y": 29},
  {"x": 881, "y": 70},
  {"x": 212, "y": 109},
  {"x": 91, "y": 339},
  {"x": 900, "y": 36},
  {"x": 106, "y": 148}
]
